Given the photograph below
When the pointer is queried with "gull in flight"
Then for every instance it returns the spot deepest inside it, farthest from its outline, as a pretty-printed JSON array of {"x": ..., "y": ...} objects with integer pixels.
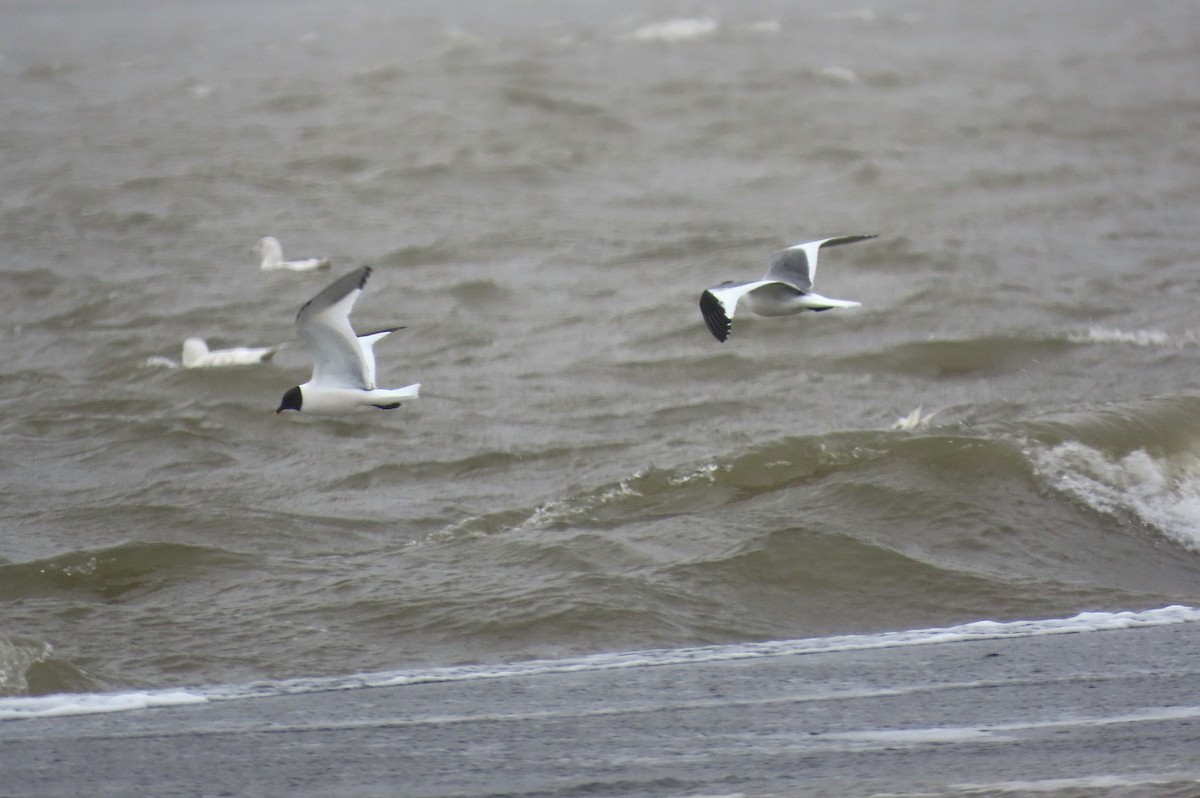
[
  {"x": 271, "y": 252},
  {"x": 197, "y": 355},
  {"x": 785, "y": 289},
  {"x": 343, "y": 377}
]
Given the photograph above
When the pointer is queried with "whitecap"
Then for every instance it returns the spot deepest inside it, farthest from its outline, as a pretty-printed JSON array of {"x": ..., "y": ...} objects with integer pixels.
[
  {"x": 1104, "y": 335},
  {"x": 838, "y": 74},
  {"x": 1162, "y": 492},
  {"x": 16, "y": 655},
  {"x": 676, "y": 30},
  {"x": 916, "y": 418},
  {"x": 52, "y": 706}
]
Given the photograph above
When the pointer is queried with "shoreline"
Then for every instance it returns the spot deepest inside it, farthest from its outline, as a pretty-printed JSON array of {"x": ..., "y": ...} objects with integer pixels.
[{"x": 1106, "y": 712}]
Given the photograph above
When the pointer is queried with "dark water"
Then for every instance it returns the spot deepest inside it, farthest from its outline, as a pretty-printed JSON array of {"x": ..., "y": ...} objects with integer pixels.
[{"x": 544, "y": 188}]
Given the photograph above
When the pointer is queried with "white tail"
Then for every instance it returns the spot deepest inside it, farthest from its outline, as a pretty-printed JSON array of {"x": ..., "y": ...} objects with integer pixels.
[
  {"x": 818, "y": 302},
  {"x": 407, "y": 392}
]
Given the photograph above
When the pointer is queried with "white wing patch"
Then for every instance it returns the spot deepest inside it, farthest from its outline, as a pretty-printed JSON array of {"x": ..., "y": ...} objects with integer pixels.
[{"x": 719, "y": 303}]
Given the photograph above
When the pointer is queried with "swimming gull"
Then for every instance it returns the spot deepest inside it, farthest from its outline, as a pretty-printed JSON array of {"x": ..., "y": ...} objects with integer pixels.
[
  {"x": 197, "y": 355},
  {"x": 785, "y": 289},
  {"x": 271, "y": 252},
  {"x": 343, "y": 376}
]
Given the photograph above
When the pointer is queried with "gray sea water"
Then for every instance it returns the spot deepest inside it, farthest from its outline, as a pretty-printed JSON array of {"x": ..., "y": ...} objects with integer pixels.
[{"x": 544, "y": 189}]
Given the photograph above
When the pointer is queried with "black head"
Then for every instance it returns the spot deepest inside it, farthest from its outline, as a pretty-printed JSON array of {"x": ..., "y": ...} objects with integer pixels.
[{"x": 291, "y": 400}]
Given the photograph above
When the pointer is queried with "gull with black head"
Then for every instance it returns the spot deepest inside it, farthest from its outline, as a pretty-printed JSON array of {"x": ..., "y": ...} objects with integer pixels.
[
  {"x": 343, "y": 377},
  {"x": 784, "y": 290}
]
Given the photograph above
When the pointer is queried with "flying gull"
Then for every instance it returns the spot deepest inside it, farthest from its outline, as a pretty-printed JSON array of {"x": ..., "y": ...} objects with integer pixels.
[
  {"x": 343, "y": 377},
  {"x": 271, "y": 252},
  {"x": 197, "y": 355},
  {"x": 785, "y": 289}
]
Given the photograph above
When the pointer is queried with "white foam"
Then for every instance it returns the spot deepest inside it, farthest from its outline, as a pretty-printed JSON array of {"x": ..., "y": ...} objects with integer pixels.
[
  {"x": 81, "y": 704},
  {"x": 1085, "y": 784},
  {"x": 160, "y": 362},
  {"x": 676, "y": 30},
  {"x": 706, "y": 473},
  {"x": 566, "y": 511},
  {"x": 52, "y": 706},
  {"x": 1002, "y": 732},
  {"x": 838, "y": 74},
  {"x": 16, "y": 656},
  {"x": 1105, "y": 335},
  {"x": 892, "y": 738},
  {"x": 580, "y": 508},
  {"x": 915, "y": 418},
  {"x": 1148, "y": 715},
  {"x": 1161, "y": 492}
]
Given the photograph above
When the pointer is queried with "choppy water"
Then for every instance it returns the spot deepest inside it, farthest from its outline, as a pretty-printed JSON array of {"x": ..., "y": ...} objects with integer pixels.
[{"x": 544, "y": 189}]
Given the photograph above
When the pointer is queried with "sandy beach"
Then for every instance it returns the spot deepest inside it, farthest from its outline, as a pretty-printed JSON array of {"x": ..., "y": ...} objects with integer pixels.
[{"x": 1112, "y": 713}]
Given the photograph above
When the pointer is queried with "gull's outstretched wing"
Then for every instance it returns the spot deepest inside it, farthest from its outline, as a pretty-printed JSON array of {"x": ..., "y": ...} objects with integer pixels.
[
  {"x": 324, "y": 326},
  {"x": 367, "y": 341},
  {"x": 797, "y": 265},
  {"x": 718, "y": 304}
]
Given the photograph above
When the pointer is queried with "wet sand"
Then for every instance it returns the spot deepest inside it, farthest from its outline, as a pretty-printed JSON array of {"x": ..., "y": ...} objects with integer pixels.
[{"x": 1094, "y": 713}]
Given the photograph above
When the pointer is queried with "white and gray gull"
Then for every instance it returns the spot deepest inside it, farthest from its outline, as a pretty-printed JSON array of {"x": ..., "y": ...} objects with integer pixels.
[
  {"x": 785, "y": 289},
  {"x": 271, "y": 252},
  {"x": 343, "y": 376},
  {"x": 197, "y": 355}
]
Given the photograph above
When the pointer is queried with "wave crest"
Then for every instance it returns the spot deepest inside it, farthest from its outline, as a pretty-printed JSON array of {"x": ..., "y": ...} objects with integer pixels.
[
  {"x": 107, "y": 573},
  {"x": 1159, "y": 492}
]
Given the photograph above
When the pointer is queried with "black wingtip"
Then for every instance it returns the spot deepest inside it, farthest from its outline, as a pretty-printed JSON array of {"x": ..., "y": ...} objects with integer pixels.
[
  {"x": 714, "y": 316},
  {"x": 384, "y": 330},
  {"x": 293, "y": 399},
  {"x": 350, "y": 281},
  {"x": 838, "y": 241}
]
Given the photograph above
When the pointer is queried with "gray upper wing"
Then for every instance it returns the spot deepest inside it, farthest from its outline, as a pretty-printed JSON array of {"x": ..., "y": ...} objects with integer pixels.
[
  {"x": 798, "y": 264},
  {"x": 324, "y": 326},
  {"x": 792, "y": 266}
]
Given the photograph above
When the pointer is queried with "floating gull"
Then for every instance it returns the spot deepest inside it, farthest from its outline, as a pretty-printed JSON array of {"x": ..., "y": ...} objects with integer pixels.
[
  {"x": 785, "y": 289},
  {"x": 271, "y": 252},
  {"x": 197, "y": 355},
  {"x": 343, "y": 377}
]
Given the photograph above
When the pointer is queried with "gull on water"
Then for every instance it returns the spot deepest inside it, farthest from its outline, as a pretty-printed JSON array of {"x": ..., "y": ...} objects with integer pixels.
[
  {"x": 197, "y": 355},
  {"x": 785, "y": 289},
  {"x": 343, "y": 376},
  {"x": 271, "y": 252}
]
